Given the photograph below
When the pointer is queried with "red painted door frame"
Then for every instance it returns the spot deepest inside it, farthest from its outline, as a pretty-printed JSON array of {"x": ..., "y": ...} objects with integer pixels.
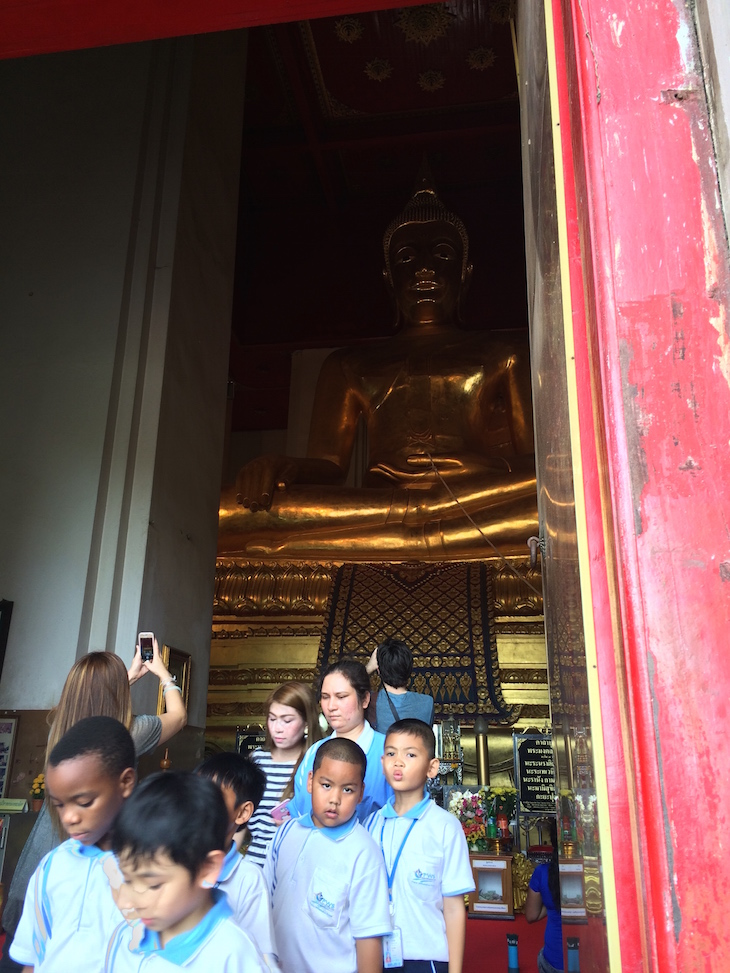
[
  {"x": 650, "y": 322},
  {"x": 649, "y": 287}
]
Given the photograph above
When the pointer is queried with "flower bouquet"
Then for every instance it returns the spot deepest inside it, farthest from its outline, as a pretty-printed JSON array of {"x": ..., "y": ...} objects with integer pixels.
[
  {"x": 502, "y": 805},
  {"x": 470, "y": 807},
  {"x": 503, "y": 801},
  {"x": 38, "y": 791}
]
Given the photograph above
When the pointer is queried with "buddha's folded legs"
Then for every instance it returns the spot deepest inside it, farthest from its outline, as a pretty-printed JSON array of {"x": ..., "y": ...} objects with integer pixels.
[{"x": 368, "y": 524}]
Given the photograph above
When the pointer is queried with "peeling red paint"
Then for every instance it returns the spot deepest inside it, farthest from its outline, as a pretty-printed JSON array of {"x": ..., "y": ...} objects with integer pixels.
[{"x": 659, "y": 272}]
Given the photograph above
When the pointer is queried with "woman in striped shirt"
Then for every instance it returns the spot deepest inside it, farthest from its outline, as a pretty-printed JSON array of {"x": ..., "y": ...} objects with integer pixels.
[{"x": 292, "y": 726}]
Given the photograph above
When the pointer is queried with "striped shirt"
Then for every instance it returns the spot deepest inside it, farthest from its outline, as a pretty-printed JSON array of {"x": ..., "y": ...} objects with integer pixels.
[{"x": 261, "y": 825}]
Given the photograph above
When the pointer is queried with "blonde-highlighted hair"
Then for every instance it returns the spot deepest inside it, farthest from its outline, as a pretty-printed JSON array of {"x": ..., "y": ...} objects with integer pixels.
[
  {"x": 301, "y": 698},
  {"x": 97, "y": 685}
]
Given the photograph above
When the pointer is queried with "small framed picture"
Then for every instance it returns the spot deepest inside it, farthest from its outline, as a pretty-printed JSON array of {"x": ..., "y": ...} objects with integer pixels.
[
  {"x": 178, "y": 663},
  {"x": 8, "y": 726}
]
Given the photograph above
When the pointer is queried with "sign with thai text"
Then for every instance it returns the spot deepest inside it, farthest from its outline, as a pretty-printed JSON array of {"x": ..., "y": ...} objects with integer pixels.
[{"x": 535, "y": 772}]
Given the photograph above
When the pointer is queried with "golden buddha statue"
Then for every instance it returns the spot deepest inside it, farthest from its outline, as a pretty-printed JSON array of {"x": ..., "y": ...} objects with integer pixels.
[{"x": 449, "y": 424}]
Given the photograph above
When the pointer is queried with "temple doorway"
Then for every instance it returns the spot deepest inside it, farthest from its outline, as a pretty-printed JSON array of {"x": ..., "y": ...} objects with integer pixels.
[{"x": 340, "y": 114}]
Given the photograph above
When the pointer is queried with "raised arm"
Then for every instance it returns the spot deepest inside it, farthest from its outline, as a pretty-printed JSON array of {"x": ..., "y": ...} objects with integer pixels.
[{"x": 175, "y": 716}]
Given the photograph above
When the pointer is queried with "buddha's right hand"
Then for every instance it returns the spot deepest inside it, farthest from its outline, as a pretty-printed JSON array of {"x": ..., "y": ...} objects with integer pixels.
[{"x": 258, "y": 480}]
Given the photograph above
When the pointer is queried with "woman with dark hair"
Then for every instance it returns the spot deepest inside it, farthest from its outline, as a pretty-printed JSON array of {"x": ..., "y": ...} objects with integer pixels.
[
  {"x": 394, "y": 661},
  {"x": 344, "y": 696},
  {"x": 543, "y": 899}
]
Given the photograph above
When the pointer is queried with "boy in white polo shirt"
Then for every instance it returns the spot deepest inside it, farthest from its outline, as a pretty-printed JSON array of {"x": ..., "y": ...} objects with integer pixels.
[
  {"x": 69, "y": 912},
  {"x": 170, "y": 845},
  {"x": 329, "y": 890},
  {"x": 426, "y": 857},
  {"x": 242, "y": 785}
]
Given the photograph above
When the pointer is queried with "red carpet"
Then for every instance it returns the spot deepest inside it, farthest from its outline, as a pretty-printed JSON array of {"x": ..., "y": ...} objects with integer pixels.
[{"x": 486, "y": 944}]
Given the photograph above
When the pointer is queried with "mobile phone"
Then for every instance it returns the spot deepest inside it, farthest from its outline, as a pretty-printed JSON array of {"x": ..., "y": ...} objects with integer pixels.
[
  {"x": 145, "y": 646},
  {"x": 281, "y": 811}
]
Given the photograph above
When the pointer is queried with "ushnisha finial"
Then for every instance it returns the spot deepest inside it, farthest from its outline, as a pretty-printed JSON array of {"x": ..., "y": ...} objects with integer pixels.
[{"x": 424, "y": 206}]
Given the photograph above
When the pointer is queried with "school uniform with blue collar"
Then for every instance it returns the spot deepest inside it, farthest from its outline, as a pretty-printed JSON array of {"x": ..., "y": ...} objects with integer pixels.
[
  {"x": 215, "y": 944},
  {"x": 427, "y": 858},
  {"x": 247, "y": 894},
  {"x": 69, "y": 912},
  {"x": 328, "y": 888},
  {"x": 377, "y": 789}
]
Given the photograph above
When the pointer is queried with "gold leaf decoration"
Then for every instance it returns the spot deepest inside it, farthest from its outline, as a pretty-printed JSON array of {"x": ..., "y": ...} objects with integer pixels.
[
  {"x": 481, "y": 58},
  {"x": 349, "y": 29},
  {"x": 502, "y": 11},
  {"x": 425, "y": 24},
  {"x": 378, "y": 69},
  {"x": 431, "y": 80}
]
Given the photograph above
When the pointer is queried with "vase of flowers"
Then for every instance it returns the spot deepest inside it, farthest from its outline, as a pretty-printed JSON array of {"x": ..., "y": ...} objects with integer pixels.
[
  {"x": 37, "y": 792},
  {"x": 470, "y": 807},
  {"x": 503, "y": 802}
]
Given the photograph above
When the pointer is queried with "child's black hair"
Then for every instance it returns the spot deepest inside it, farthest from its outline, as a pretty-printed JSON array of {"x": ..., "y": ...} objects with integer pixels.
[
  {"x": 245, "y": 778},
  {"x": 340, "y": 748},
  {"x": 415, "y": 728},
  {"x": 395, "y": 662},
  {"x": 178, "y": 814},
  {"x": 101, "y": 735}
]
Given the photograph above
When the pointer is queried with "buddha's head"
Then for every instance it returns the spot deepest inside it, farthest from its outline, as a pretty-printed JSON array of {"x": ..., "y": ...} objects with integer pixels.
[{"x": 426, "y": 251}]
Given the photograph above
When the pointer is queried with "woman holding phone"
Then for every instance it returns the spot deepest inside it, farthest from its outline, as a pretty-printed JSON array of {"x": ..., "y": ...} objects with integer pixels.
[
  {"x": 292, "y": 727},
  {"x": 97, "y": 685}
]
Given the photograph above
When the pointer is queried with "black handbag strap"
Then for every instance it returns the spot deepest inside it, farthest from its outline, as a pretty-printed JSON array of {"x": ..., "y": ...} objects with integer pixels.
[{"x": 393, "y": 710}]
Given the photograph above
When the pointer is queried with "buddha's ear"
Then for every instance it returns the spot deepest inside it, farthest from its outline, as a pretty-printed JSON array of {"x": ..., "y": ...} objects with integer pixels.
[
  {"x": 391, "y": 293},
  {"x": 464, "y": 290},
  {"x": 467, "y": 280}
]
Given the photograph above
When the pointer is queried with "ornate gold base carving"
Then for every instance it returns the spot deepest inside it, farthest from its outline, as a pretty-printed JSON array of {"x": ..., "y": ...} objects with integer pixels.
[
  {"x": 268, "y": 620},
  {"x": 522, "y": 869},
  {"x": 245, "y": 588},
  {"x": 593, "y": 888}
]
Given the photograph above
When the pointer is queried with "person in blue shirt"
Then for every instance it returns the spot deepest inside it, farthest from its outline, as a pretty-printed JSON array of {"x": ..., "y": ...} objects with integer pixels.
[
  {"x": 344, "y": 697},
  {"x": 394, "y": 662},
  {"x": 171, "y": 845},
  {"x": 543, "y": 901},
  {"x": 69, "y": 910}
]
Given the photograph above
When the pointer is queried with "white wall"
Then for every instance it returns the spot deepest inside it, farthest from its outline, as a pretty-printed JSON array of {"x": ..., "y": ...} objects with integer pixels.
[
  {"x": 70, "y": 126},
  {"x": 118, "y": 186}
]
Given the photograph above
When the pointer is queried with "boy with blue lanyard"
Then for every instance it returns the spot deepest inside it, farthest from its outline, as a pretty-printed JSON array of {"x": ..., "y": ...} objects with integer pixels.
[
  {"x": 170, "y": 842},
  {"x": 329, "y": 891},
  {"x": 69, "y": 911},
  {"x": 426, "y": 857}
]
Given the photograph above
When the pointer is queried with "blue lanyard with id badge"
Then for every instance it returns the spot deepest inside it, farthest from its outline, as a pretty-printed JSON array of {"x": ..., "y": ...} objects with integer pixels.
[{"x": 393, "y": 943}]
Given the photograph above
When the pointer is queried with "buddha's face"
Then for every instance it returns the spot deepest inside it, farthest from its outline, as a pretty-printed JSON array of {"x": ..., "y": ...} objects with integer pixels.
[{"x": 426, "y": 266}]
